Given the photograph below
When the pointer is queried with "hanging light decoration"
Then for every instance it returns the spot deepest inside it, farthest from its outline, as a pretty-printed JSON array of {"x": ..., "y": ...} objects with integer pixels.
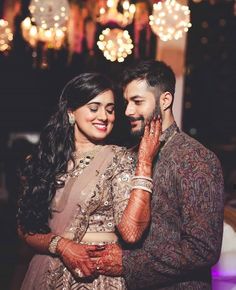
[
  {"x": 170, "y": 20},
  {"x": 115, "y": 44},
  {"x": 29, "y": 32},
  {"x": 110, "y": 13},
  {"x": 48, "y": 23},
  {"x": 53, "y": 37},
  {"x": 6, "y": 36},
  {"x": 49, "y": 14}
]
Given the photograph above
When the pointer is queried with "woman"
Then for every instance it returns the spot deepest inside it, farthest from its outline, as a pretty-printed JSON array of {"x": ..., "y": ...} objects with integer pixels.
[{"x": 77, "y": 189}]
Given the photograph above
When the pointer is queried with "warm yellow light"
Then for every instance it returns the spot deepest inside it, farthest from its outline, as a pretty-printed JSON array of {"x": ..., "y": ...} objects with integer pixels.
[
  {"x": 115, "y": 44},
  {"x": 109, "y": 13},
  {"x": 48, "y": 13},
  {"x": 170, "y": 19},
  {"x": 6, "y": 36},
  {"x": 53, "y": 37}
]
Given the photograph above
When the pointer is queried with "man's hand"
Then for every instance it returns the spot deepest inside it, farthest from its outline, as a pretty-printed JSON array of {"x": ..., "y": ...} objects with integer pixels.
[{"x": 108, "y": 259}]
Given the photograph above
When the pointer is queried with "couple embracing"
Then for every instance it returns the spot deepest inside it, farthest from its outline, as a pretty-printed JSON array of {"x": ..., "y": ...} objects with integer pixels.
[{"x": 84, "y": 201}]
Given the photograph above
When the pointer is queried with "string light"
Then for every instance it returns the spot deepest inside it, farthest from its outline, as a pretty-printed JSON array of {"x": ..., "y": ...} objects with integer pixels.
[
  {"x": 6, "y": 36},
  {"x": 109, "y": 13},
  {"x": 170, "y": 20},
  {"x": 115, "y": 44}
]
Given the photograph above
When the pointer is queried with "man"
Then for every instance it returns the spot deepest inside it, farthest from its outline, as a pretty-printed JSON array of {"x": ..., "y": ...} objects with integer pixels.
[{"x": 184, "y": 238}]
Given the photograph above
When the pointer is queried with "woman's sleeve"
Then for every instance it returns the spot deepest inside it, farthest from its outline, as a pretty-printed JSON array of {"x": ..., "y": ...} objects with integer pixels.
[{"x": 121, "y": 183}]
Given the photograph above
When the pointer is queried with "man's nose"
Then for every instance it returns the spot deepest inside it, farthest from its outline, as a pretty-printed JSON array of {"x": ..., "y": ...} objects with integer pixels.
[{"x": 129, "y": 110}]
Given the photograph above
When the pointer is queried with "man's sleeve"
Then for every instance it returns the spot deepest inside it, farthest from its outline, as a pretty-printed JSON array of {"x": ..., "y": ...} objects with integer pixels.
[{"x": 200, "y": 187}]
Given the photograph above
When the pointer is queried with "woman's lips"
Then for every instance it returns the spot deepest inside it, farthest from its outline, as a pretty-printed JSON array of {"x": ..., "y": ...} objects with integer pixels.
[{"x": 101, "y": 127}]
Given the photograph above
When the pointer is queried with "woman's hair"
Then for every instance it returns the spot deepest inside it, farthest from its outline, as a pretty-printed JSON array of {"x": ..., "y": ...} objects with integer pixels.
[{"x": 44, "y": 169}]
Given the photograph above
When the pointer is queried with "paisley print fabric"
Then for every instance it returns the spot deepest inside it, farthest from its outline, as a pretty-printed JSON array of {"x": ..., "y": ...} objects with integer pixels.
[{"x": 184, "y": 239}]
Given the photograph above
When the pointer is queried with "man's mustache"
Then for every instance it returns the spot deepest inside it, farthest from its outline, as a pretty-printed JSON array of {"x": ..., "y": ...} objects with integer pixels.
[{"x": 136, "y": 118}]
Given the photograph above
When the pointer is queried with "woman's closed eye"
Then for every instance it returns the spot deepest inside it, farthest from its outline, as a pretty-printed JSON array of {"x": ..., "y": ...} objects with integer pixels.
[
  {"x": 93, "y": 108},
  {"x": 110, "y": 109}
]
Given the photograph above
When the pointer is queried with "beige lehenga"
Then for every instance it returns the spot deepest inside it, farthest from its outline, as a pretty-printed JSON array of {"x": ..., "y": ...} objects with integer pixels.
[{"x": 92, "y": 202}]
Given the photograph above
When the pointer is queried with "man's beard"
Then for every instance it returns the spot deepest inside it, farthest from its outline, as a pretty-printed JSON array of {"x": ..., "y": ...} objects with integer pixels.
[{"x": 139, "y": 133}]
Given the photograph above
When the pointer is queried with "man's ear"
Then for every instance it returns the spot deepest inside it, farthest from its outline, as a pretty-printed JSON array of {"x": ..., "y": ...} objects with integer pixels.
[{"x": 166, "y": 100}]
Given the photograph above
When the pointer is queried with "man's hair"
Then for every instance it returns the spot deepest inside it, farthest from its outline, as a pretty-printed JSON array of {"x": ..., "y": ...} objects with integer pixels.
[{"x": 156, "y": 73}]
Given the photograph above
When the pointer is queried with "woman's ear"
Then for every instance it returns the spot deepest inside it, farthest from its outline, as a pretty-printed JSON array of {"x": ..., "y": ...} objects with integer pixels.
[{"x": 166, "y": 100}]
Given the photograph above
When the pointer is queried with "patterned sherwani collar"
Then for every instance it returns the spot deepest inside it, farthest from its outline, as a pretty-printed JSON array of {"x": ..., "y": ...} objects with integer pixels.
[{"x": 168, "y": 133}]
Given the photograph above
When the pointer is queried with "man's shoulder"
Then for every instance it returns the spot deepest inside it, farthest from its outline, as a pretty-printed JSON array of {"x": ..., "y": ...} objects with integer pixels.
[{"x": 186, "y": 147}]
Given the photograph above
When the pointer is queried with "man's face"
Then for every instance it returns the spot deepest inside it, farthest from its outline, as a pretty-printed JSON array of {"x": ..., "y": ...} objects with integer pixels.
[{"x": 141, "y": 105}]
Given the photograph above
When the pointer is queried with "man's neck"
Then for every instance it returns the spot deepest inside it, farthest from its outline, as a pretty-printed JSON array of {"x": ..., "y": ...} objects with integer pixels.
[{"x": 167, "y": 122}]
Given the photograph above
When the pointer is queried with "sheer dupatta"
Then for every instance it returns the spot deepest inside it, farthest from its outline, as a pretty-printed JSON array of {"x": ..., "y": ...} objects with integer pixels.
[{"x": 71, "y": 207}]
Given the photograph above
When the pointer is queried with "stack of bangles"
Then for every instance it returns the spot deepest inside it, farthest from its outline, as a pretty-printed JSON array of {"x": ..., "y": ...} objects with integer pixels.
[{"x": 142, "y": 182}]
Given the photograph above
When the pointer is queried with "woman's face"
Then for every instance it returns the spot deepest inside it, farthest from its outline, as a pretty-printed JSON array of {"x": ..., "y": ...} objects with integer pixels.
[{"x": 94, "y": 121}]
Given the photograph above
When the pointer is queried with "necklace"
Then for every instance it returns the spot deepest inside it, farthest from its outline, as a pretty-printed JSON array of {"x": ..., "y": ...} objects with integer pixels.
[
  {"x": 82, "y": 160},
  {"x": 82, "y": 154}
]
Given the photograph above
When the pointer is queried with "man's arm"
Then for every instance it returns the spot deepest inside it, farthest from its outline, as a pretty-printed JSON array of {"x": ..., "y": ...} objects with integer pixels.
[{"x": 201, "y": 209}]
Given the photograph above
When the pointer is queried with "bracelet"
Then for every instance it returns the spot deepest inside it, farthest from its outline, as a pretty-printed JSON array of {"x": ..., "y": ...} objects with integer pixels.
[
  {"x": 143, "y": 182},
  {"x": 141, "y": 187},
  {"x": 53, "y": 244},
  {"x": 142, "y": 177}
]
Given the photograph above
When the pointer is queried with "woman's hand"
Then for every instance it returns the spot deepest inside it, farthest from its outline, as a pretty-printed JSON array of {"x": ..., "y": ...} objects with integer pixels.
[
  {"x": 76, "y": 258},
  {"x": 108, "y": 259},
  {"x": 150, "y": 143}
]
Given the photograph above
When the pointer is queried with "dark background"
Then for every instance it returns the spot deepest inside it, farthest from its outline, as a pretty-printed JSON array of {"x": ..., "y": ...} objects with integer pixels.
[{"x": 28, "y": 95}]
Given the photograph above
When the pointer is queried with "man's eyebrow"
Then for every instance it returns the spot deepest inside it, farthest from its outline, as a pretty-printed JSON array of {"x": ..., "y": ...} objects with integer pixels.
[{"x": 133, "y": 98}]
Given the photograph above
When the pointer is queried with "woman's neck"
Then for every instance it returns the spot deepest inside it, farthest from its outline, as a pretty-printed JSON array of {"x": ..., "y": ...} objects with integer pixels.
[{"x": 84, "y": 146}]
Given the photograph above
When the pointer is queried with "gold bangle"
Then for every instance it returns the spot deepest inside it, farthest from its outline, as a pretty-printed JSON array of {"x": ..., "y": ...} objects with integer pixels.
[
  {"x": 142, "y": 177},
  {"x": 144, "y": 183},
  {"x": 142, "y": 187},
  {"x": 53, "y": 244}
]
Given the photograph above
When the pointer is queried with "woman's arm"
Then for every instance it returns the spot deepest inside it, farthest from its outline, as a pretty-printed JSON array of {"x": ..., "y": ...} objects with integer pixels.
[
  {"x": 73, "y": 255},
  {"x": 39, "y": 242},
  {"x": 136, "y": 216}
]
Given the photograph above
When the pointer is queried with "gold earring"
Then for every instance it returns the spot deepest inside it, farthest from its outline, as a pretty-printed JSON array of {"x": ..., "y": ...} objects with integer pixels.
[{"x": 71, "y": 119}]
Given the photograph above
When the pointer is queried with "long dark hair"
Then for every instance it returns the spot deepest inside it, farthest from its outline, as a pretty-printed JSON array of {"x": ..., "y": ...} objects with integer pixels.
[{"x": 43, "y": 170}]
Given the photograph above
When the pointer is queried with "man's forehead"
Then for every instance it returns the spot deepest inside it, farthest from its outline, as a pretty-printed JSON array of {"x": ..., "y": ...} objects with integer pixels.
[{"x": 138, "y": 87}]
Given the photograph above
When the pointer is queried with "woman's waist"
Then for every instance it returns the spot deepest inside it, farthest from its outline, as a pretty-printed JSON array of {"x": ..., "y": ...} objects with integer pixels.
[
  {"x": 99, "y": 238},
  {"x": 94, "y": 237}
]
